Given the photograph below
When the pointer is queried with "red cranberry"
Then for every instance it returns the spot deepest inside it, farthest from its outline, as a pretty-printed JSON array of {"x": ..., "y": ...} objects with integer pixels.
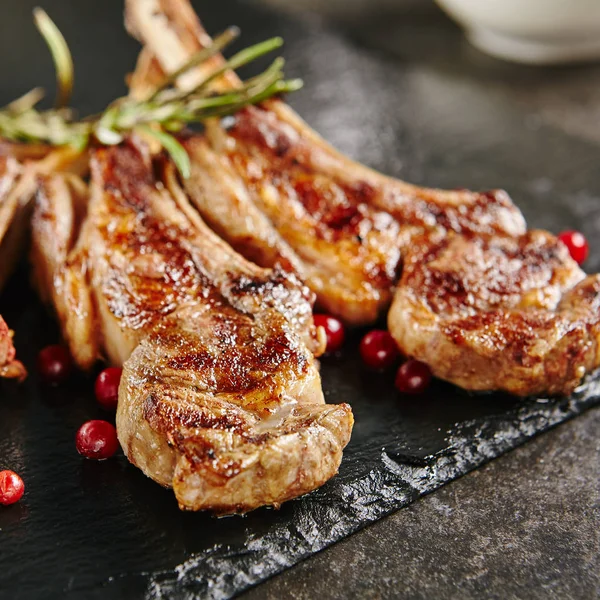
[
  {"x": 378, "y": 349},
  {"x": 54, "y": 364},
  {"x": 107, "y": 387},
  {"x": 97, "y": 439},
  {"x": 413, "y": 377},
  {"x": 334, "y": 330},
  {"x": 577, "y": 245},
  {"x": 11, "y": 487}
]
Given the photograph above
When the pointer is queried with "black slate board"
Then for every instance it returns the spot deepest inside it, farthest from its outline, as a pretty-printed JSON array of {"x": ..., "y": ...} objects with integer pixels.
[{"x": 102, "y": 530}]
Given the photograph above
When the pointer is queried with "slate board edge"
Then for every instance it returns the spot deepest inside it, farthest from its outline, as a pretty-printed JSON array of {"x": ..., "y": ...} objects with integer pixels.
[{"x": 217, "y": 574}]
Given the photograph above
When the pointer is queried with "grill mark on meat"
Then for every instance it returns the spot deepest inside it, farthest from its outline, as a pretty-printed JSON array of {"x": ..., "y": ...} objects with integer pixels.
[
  {"x": 169, "y": 417},
  {"x": 495, "y": 271},
  {"x": 128, "y": 177},
  {"x": 151, "y": 272},
  {"x": 352, "y": 276},
  {"x": 246, "y": 125},
  {"x": 375, "y": 222},
  {"x": 260, "y": 129},
  {"x": 139, "y": 296},
  {"x": 240, "y": 368},
  {"x": 337, "y": 209},
  {"x": 477, "y": 216},
  {"x": 328, "y": 212},
  {"x": 515, "y": 335},
  {"x": 328, "y": 204},
  {"x": 162, "y": 269}
]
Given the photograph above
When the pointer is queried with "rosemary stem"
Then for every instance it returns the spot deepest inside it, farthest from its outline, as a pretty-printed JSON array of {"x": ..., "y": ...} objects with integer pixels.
[
  {"x": 63, "y": 62},
  {"x": 242, "y": 58}
]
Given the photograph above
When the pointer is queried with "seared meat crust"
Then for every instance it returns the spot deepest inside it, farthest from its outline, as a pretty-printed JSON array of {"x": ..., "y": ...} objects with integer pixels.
[
  {"x": 59, "y": 263},
  {"x": 229, "y": 410}
]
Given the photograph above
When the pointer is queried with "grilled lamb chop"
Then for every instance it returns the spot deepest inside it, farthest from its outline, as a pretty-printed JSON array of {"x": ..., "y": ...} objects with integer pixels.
[
  {"x": 59, "y": 262},
  {"x": 220, "y": 395},
  {"x": 280, "y": 194},
  {"x": 513, "y": 314}
]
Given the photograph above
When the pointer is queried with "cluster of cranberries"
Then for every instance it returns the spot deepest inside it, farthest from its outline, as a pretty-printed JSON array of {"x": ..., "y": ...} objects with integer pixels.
[
  {"x": 97, "y": 439},
  {"x": 380, "y": 353}
]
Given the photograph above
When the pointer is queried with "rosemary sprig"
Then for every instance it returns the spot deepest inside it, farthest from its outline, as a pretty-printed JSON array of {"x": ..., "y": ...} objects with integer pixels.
[{"x": 164, "y": 112}]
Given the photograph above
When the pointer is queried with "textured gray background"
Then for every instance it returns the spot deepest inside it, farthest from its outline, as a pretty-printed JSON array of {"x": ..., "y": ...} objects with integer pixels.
[
  {"x": 524, "y": 526},
  {"x": 527, "y": 525}
]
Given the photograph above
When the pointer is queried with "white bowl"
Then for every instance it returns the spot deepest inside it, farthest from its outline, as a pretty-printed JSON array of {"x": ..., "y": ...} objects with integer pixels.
[{"x": 531, "y": 31}]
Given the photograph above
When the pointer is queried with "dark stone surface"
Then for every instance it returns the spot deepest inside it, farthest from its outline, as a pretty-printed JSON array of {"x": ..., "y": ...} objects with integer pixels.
[{"x": 526, "y": 525}]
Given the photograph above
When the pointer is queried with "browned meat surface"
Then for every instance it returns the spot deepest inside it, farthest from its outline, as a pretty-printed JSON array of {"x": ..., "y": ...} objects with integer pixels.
[
  {"x": 228, "y": 409},
  {"x": 9, "y": 366},
  {"x": 347, "y": 254},
  {"x": 220, "y": 396},
  {"x": 280, "y": 194},
  {"x": 20, "y": 165},
  {"x": 513, "y": 314}
]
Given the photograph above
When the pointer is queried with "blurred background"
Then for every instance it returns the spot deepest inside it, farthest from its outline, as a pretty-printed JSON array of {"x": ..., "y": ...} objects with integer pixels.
[
  {"x": 565, "y": 93},
  {"x": 345, "y": 10}
]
